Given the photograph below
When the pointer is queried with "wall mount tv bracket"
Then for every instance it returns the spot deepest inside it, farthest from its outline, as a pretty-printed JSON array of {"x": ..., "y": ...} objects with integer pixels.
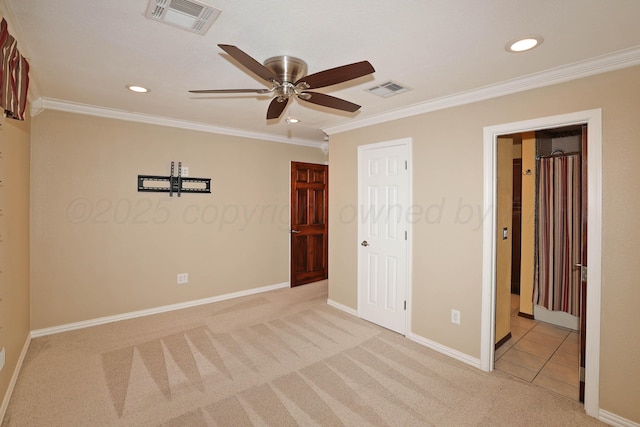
[{"x": 174, "y": 184}]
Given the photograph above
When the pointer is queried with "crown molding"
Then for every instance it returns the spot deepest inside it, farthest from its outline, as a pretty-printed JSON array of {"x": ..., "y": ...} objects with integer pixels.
[
  {"x": 42, "y": 104},
  {"x": 618, "y": 60},
  {"x": 602, "y": 64}
]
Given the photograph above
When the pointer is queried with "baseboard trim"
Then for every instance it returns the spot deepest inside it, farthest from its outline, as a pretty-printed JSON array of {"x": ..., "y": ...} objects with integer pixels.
[
  {"x": 157, "y": 310},
  {"x": 447, "y": 351},
  {"x": 342, "y": 307},
  {"x": 615, "y": 420},
  {"x": 503, "y": 340},
  {"x": 455, "y": 354},
  {"x": 14, "y": 379}
]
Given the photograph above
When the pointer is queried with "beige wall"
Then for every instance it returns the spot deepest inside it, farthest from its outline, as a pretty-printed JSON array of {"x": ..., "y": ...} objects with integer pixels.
[
  {"x": 447, "y": 250},
  {"x": 504, "y": 219},
  {"x": 99, "y": 247},
  {"x": 14, "y": 244}
]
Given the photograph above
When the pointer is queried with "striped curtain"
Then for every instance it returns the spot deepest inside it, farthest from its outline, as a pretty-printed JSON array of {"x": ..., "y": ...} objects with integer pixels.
[
  {"x": 556, "y": 281},
  {"x": 14, "y": 75}
]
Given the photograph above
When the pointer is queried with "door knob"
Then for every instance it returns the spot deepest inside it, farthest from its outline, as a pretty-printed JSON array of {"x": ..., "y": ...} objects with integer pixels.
[
  {"x": 294, "y": 231},
  {"x": 364, "y": 243}
]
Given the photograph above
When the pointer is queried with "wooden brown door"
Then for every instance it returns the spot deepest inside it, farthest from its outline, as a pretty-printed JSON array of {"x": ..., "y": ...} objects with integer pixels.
[
  {"x": 309, "y": 227},
  {"x": 516, "y": 227}
]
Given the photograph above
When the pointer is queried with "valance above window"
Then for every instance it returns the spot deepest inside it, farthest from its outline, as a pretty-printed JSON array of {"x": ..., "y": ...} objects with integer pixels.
[{"x": 14, "y": 75}]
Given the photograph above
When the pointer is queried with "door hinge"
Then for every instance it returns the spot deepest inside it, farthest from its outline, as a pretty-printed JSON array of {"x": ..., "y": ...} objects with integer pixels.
[
  {"x": 405, "y": 235},
  {"x": 405, "y": 305},
  {"x": 406, "y": 165}
]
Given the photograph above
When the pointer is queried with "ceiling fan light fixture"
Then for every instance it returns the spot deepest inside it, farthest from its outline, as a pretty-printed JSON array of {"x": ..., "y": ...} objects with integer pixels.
[{"x": 523, "y": 44}]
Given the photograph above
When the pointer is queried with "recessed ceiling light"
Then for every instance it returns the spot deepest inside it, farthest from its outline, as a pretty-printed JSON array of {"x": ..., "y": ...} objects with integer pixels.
[
  {"x": 523, "y": 44},
  {"x": 138, "y": 89}
]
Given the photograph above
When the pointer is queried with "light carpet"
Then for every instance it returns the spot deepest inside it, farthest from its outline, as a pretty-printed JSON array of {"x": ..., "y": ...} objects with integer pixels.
[{"x": 281, "y": 358}]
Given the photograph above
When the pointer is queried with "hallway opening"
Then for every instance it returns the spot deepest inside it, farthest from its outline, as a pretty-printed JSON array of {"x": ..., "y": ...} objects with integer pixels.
[
  {"x": 541, "y": 231},
  {"x": 492, "y": 235}
]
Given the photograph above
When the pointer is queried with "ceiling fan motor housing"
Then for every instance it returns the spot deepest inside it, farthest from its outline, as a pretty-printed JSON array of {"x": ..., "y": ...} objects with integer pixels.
[{"x": 288, "y": 68}]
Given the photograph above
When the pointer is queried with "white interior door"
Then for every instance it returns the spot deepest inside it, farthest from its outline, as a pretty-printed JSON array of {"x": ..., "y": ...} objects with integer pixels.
[{"x": 383, "y": 204}]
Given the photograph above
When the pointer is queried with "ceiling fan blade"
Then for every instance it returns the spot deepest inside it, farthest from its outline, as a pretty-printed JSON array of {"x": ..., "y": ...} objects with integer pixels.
[
  {"x": 330, "y": 101},
  {"x": 276, "y": 108},
  {"x": 254, "y": 66},
  {"x": 231, "y": 91},
  {"x": 337, "y": 75}
]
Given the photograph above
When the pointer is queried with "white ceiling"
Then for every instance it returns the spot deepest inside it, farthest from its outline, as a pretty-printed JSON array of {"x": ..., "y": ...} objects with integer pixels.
[{"x": 87, "y": 51}]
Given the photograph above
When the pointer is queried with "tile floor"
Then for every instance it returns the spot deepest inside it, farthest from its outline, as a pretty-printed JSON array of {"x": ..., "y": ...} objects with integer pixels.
[{"x": 541, "y": 353}]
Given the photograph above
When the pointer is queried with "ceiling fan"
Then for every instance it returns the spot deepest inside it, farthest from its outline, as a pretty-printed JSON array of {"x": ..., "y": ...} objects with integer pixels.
[{"x": 287, "y": 77}]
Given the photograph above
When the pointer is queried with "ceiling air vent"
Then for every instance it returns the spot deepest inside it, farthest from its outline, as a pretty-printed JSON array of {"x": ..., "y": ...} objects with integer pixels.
[
  {"x": 189, "y": 15},
  {"x": 387, "y": 89}
]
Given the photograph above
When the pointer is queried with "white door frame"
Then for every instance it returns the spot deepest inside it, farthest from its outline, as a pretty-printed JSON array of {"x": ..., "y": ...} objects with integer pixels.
[
  {"x": 593, "y": 119},
  {"x": 396, "y": 142}
]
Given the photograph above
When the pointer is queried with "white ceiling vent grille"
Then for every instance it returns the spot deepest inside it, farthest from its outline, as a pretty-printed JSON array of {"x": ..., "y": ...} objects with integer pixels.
[
  {"x": 387, "y": 89},
  {"x": 189, "y": 15}
]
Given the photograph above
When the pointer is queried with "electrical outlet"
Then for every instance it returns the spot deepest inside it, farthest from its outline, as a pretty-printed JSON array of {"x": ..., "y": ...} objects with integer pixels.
[
  {"x": 183, "y": 278},
  {"x": 184, "y": 171},
  {"x": 455, "y": 317}
]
